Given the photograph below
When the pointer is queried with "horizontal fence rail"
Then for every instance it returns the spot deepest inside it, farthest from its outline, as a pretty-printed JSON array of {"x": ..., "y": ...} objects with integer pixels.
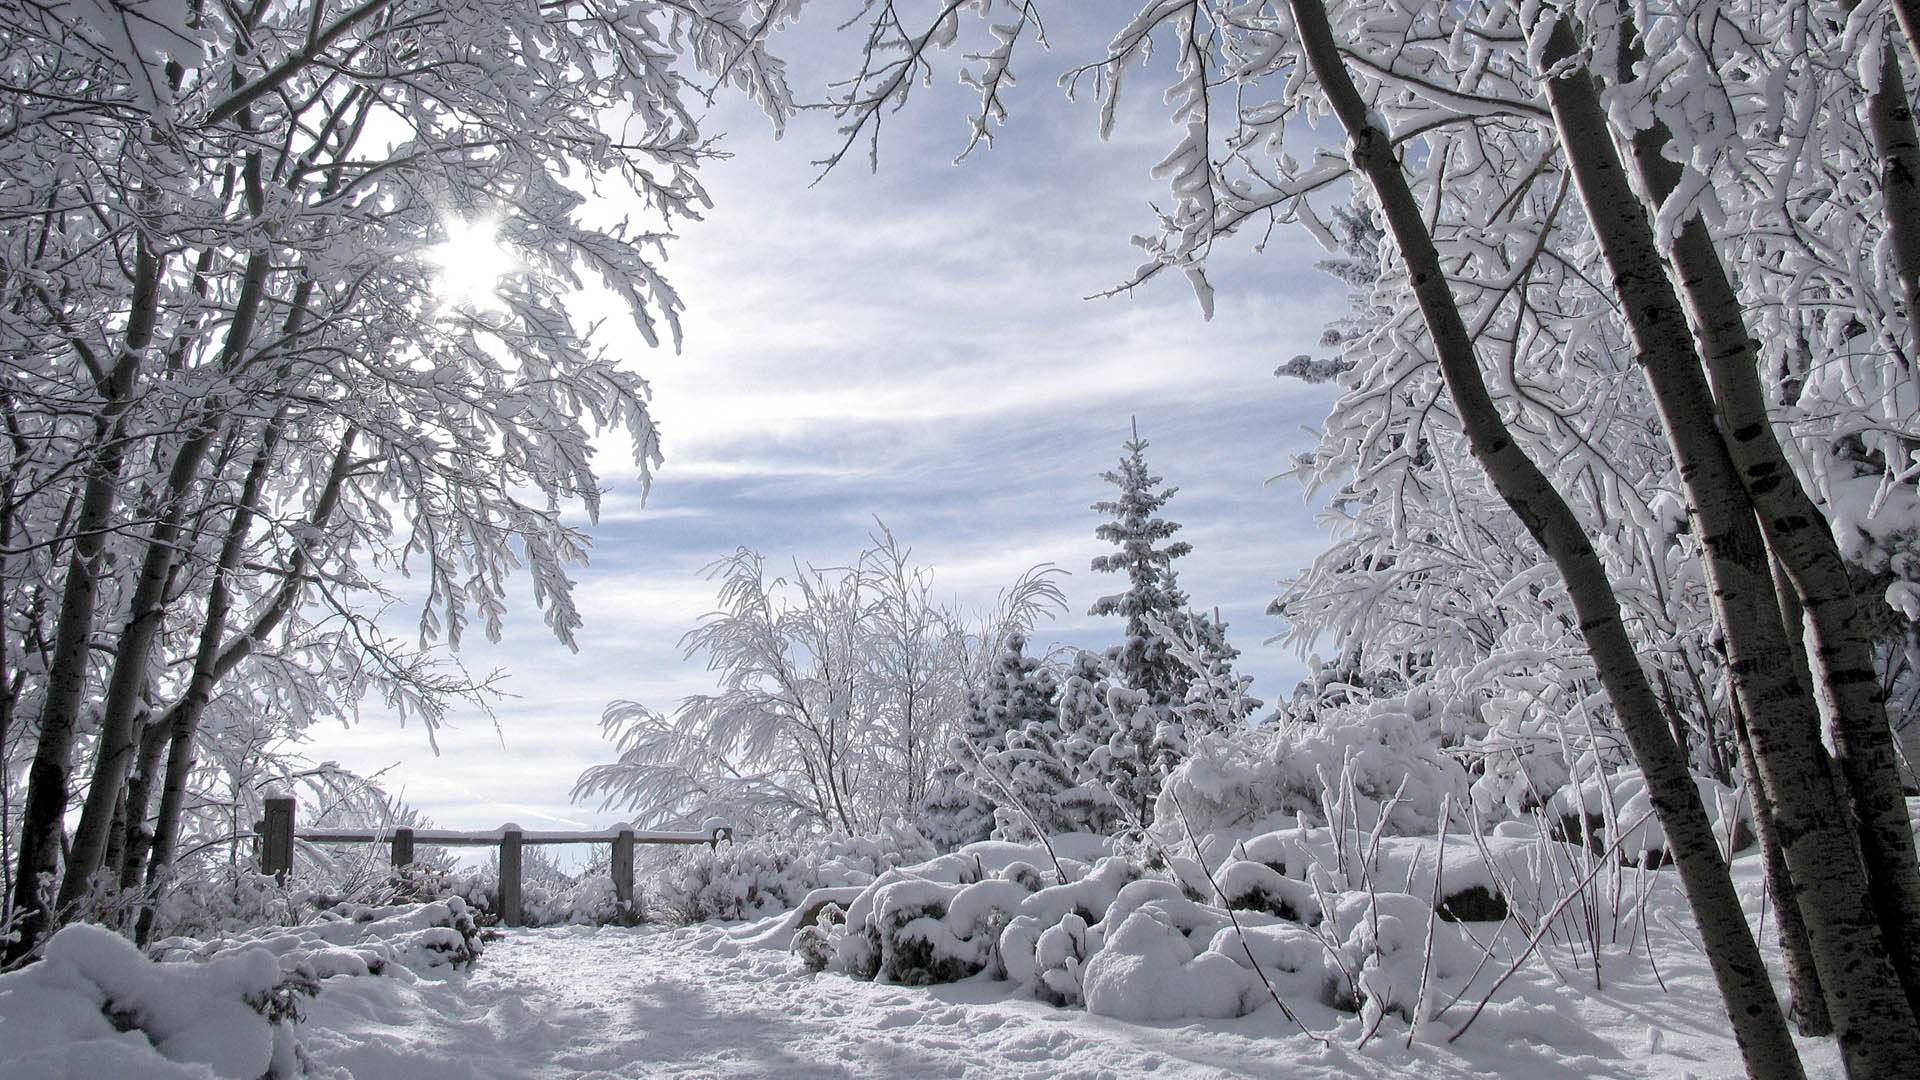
[{"x": 277, "y": 835}]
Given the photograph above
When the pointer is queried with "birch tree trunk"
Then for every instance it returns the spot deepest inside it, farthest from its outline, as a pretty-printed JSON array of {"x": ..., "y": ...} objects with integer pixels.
[
  {"x": 1890, "y": 122},
  {"x": 1759, "y": 1027},
  {"x": 1808, "y": 1004},
  {"x": 147, "y": 611},
  {"x": 1872, "y": 1019},
  {"x": 1847, "y": 688}
]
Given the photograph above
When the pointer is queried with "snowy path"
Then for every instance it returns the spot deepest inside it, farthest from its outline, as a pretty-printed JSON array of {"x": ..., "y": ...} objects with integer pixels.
[{"x": 577, "y": 1002}]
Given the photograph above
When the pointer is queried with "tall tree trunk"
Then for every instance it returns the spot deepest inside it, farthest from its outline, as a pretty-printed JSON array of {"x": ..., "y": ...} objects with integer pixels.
[
  {"x": 1847, "y": 688},
  {"x": 51, "y": 772},
  {"x": 1876, "y": 1027},
  {"x": 213, "y": 628},
  {"x": 1908, "y": 12},
  {"x": 1759, "y": 1027},
  {"x": 139, "y": 831}
]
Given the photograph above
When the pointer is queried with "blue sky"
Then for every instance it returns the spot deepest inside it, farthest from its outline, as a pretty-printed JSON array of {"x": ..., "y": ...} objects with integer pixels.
[{"x": 910, "y": 345}]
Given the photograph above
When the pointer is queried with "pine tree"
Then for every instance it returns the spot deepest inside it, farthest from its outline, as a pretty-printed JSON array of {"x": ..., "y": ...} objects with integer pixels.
[
  {"x": 1019, "y": 689},
  {"x": 1153, "y": 591}
]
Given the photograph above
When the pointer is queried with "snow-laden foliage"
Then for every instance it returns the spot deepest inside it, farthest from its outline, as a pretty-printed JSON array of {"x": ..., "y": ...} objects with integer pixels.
[
  {"x": 352, "y": 939},
  {"x": 228, "y": 1007},
  {"x": 839, "y": 691}
]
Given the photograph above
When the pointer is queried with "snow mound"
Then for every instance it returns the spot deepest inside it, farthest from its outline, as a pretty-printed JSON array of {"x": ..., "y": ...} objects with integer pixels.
[{"x": 95, "y": 1006}]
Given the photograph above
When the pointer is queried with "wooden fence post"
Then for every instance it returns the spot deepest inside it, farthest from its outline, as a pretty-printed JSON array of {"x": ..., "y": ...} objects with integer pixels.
[
  {"x": 276, "y": 838},
  {"x": 510, "y": 840},
  {"x": 403, "y": 847},
  {"x": 623, "y": 869}
]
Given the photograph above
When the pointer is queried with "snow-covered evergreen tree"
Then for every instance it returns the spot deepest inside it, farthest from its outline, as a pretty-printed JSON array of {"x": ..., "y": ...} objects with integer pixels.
[
  {"x": 1019, "y": 690},
  {"x": 992, "y": 755},
  {"x": 1153, "y": 590},
  {"x": 953, "y": 813}
]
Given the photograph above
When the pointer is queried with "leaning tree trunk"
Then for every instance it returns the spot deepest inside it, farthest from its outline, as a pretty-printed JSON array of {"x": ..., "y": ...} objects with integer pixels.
[
  {"x": 1798, "y": 534},
  {"x": 214, "y": 660},
  {"x": 1908, "y": 12},
  {"x": 213, "y": 628},
  {"x": 1808, "y": 1005},
  {"x": 1890, "y": 122},
  {"x": 1875, "y": 1025},
  {"x": 1759, "y": 1027},
  {"x": 51, "y": 772}
]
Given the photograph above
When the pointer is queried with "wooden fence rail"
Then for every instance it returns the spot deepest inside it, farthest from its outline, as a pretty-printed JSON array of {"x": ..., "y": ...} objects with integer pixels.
[{"x": 277, "y": 834}]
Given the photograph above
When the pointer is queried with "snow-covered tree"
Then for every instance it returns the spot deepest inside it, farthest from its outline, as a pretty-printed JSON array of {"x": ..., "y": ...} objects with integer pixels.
[
  {"x": 1218, "y": 699},
  {"x": 1153, "y": 590},
  {"x": 814, "y": 727},
  {"x": 1018, "y": 691},
  {"x": 952, "y": 812},
  {"x": 238, "y": 394}
]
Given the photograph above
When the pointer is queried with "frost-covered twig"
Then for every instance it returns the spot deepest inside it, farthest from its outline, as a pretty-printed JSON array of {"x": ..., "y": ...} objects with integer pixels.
[
  {"x": 1533, "y": 942},
  {"x": 1426, "y": 959}
]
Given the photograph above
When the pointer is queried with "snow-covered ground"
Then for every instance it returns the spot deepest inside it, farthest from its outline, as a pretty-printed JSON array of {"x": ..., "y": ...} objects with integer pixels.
[
  {"x": 713, "y": 1002},
  {"x": 397, "y": 1000}
]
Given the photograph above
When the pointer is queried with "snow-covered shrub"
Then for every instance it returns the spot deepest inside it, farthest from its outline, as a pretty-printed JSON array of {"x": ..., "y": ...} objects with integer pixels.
[
  {"x": 228, "y": 900},
  {"x": 1613, "y": 811},
  {"x": 95, "y": 1006},
  {"x": 760, "y": 876},
  {"x": 549, "y": 895},
  {"x": 1357, "y": 923},
  {"x": 939, "y": 921},
  {"x": 1378, "y": 755},
  {"x": 353, "y": 940}
]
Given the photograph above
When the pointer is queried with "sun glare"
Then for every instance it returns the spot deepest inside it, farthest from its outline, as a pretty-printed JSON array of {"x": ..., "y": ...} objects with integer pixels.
[{"x": 470, "y": 264}]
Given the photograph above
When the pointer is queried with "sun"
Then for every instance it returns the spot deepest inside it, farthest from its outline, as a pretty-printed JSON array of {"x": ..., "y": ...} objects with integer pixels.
[{"x": 470, "y": 264}]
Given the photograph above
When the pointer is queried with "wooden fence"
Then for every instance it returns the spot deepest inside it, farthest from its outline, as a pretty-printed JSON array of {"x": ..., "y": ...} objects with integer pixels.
[{"x": 277, "y": 834}]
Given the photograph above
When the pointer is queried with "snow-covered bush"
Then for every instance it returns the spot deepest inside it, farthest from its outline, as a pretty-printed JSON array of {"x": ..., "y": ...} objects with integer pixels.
[
  {"x": 551, "y": 898},
  {"x": 760, "y": 876},
  {"x": 1368, "y": 757},
  {"x": 95, "y": 1006},
  {"x": 353, "y": 940},
  {"x": 1168, "y": 938},
  {"x": 1612, "y": 811},
  {"x": 229, "y": 900}
]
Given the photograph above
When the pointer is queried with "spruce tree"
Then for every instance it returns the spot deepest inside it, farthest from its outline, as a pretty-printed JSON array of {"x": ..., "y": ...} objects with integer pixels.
[
  {"x": 952, "y": 814},
  {"x": 1003, "y": 752},
  {"x": 1153, "y": 591}
]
